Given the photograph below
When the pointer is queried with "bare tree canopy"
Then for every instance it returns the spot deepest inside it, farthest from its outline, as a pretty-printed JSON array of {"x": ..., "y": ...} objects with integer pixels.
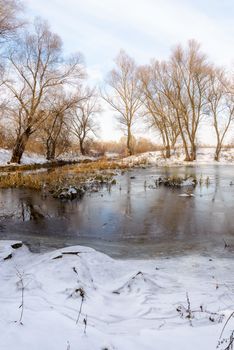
[
  {"x": 125, "y": 94},
  {"x": 54, "y": 132},
  {"x": 9, "y": 23},
  {"x": 9, "y": 17},
  {"x": 83, "y": 119}
]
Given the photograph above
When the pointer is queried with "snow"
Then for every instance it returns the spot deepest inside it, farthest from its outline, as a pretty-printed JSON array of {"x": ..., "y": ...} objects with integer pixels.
[
  {"x": 112, "y": 155},
  {"x": 34, "y": 158},
  {"x": 128, "y": 304},
  {"x": 186, "y": 195},
  {"x": 28, "y": 158},
  {"x": 75, "y": 157},
  {"x": 188, "y": 182},
  {"x": 204, "y": 156}
]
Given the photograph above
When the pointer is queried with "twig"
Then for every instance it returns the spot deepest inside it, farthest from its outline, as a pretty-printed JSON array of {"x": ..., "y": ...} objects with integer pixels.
[
  {"x": 189, "y": 309},
  {"x": 82, "y": 294},
  {"x": 85, "y": 323},
  {"x": 225, "y": 340},
  {"x": 226, "y": 245},
  {"x": 21, "y": 281},
  {"x": 225, "y": 324}
]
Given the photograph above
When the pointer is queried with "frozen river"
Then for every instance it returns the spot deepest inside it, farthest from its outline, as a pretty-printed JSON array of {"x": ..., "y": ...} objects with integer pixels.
[{"x": 134, "y": 219}]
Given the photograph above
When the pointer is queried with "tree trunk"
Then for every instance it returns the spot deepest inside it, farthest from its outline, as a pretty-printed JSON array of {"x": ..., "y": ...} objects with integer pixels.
[
  {"x": 187, "y": 156},
  {"x": 166, "y": 144},
  {"x": 193, "y": 154},
  {"x": 217, "y": 152},
  {"x": 82, "y": 149},
  {"x": 218, "y": 143},
  {"x": 168, "y": 151},
  {"x": 50, "y": 149},
  {"x": 19, "y": 146},
  {"x": 168, "y": 147},
  {"x": 129, "y": 142}
]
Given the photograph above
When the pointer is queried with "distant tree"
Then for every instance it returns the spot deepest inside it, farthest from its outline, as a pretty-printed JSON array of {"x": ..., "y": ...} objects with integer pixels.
[
  {"x": 220, "y": 106},
  {"x": 83, "y": 118},
  {"x": 124, "y": 95},
  {"x": 36, "y": 67}
]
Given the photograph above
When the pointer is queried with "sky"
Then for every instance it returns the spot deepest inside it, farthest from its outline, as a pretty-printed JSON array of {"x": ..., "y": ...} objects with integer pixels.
[{"x": 144, "y": 28}]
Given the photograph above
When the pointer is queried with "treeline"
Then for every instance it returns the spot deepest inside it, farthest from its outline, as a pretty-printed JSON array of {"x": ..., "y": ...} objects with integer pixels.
[
  {"x": 45, "y": 96},
  {"x": 174, "y": 97}
]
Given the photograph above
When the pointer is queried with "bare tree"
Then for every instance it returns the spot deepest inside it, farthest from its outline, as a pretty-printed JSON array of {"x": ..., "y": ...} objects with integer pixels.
[
  {"x": 184, "y": 80},
  {"x": 54, "y": 132},
  {"x": 159, "y": 110},
  {"x": 9, "y": 18},
  {"x": 220, "y": 106},
  {"x": 9, "y": 23},
  {"x": 36, "y": 67},
  {"x": 190, "y": 80},
  {"x": 83, "y": 122},
  {"x": 125, "y": 95}
]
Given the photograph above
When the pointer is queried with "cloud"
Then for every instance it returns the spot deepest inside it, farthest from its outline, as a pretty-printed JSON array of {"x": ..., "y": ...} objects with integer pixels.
[{"x": 145, "y": 28}]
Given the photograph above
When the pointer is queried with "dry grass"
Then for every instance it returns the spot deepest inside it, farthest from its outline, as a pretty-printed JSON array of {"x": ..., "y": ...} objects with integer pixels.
[
  {"x": 99, "y": 165},
  {"x": 68, "y": 175},
  {"x": 33, "y": 181}
]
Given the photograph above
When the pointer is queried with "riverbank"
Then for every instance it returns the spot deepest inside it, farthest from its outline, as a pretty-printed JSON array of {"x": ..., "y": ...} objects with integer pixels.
[
  {"x": 92, "y": 301},
  {"x": 205, "y": 156},
  {"x": 34, "y": 161}
]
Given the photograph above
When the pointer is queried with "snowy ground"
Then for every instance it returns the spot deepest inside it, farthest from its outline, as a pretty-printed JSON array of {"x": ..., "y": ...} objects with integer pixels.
[
  {"x": 204, "y": 156},
  {"x": 128, "y": 305}
]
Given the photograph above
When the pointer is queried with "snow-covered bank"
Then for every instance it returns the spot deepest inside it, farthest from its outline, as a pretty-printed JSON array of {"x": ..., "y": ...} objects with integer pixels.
[
  {"x": 127, "y": 305},
  {"x": 28, "y": 158},
  {"x": 204, "y": 156},
  {"x": 34, "y": 158}
]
